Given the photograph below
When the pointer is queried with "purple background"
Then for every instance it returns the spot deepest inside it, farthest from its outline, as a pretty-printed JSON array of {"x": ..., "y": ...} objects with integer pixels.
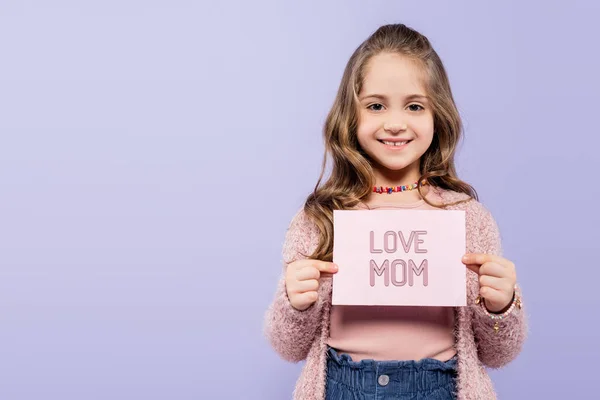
[{"x": 152, "y": 154}]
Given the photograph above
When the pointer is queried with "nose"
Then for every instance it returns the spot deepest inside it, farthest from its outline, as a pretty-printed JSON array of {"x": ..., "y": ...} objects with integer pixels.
[{"x": 394, "y": 127}]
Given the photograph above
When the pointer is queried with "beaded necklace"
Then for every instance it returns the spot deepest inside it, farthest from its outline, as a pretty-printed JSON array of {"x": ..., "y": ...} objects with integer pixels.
[{"x": 397, "y": 189}]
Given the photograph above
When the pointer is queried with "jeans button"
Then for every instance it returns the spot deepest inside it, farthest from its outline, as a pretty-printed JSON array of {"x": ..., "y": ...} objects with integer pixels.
[{"x": 383, "y": 380}]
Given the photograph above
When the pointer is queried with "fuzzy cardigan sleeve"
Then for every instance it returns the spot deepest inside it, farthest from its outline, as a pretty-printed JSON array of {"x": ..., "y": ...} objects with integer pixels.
[
  {"x": 495, "y": 349},
  {"x": 290, "y": 331}
]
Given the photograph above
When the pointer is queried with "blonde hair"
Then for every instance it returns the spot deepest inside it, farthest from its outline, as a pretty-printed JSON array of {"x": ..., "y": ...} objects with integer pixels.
[{"x": 352, "y": 179}]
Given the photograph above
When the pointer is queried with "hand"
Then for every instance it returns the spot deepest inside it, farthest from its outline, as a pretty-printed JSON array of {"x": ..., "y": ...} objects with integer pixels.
[
  {"x": 497, "y": 279},
  {"x": 302, "y": 281}
]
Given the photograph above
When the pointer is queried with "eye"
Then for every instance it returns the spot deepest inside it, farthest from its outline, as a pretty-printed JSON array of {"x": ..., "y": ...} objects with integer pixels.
[
  {"x": 375, "y": 107},
  {"x": 415, "y": 107}
]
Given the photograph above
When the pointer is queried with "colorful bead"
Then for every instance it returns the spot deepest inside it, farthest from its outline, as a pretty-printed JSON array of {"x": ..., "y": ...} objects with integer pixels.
[{"x": 397, "y": 189}]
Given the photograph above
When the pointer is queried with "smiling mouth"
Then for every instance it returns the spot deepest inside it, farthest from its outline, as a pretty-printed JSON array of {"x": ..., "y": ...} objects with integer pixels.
[{"x": 397, "y": 144}]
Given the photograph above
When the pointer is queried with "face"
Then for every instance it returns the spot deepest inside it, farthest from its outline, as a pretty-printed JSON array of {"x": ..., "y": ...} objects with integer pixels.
[{"x": 395, "y": 120}]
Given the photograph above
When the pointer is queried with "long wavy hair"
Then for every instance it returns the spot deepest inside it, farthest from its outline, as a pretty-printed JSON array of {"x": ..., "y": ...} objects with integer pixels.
[{"x": 352, "y": 179}]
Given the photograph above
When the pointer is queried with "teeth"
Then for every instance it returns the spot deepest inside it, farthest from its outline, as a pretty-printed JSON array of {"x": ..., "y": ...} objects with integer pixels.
[{"x": 394, "y": 143}]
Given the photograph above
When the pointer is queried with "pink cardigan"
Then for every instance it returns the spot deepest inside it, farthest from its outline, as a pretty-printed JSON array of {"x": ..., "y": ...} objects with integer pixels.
[{"x": 302, "y": 335}]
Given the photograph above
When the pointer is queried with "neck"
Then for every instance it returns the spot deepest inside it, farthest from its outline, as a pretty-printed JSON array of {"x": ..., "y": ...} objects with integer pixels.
[{"x": 404, "y": 177}]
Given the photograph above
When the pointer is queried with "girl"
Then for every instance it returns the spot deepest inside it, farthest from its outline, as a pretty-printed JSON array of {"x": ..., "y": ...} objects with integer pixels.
[{"x": 393, "y": 128}]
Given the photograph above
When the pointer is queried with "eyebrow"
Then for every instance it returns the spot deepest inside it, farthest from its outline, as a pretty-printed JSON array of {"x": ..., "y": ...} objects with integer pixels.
[{"x": 408, "y": 98}]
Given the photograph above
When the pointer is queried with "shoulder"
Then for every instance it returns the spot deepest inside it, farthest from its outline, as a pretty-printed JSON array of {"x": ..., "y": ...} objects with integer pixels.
[
  {"x": 476, "y": 212},
  {"x": 480, "y": 223},
  {"x": 301, "y": 236},
  {"x": 301, "y": 223},
  {"x": 463, "y": 201}
]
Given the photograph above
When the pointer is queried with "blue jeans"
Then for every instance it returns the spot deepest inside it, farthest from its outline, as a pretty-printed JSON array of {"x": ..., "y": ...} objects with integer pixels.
[{"x": 390, "y": 380}]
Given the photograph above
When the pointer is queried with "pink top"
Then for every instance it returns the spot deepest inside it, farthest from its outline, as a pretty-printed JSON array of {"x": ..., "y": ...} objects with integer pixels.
[{"x": 390, "y": 332}]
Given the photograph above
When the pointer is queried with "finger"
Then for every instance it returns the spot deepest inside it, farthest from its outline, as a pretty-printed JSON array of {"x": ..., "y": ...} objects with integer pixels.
[
  {"x": 304, "y": 274},
  {"x": 323, "y": 266},
  {"x": 491, "y": 294},
  {"x": 494, "y": 269},
  {"x": 474, "y": 267},
  {"x": 492, "y": 282},
  {"x": 480, "y": 259},
  {"x": 306, "y": 299},
  {"x": 310, "y": 285}
]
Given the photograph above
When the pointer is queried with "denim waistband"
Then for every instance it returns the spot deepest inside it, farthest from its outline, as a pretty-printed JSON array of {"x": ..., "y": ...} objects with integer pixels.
[{"x": 400, "y": 376}]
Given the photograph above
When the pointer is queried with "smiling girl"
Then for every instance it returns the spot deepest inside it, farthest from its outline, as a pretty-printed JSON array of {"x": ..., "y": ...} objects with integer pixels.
[{"x": 392, "y": 133}]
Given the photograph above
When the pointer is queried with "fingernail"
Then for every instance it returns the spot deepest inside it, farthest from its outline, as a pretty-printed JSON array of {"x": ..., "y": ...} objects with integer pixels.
[
  {"x": 335, "y": 267},
  {"x": 465, "y": 257}
]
